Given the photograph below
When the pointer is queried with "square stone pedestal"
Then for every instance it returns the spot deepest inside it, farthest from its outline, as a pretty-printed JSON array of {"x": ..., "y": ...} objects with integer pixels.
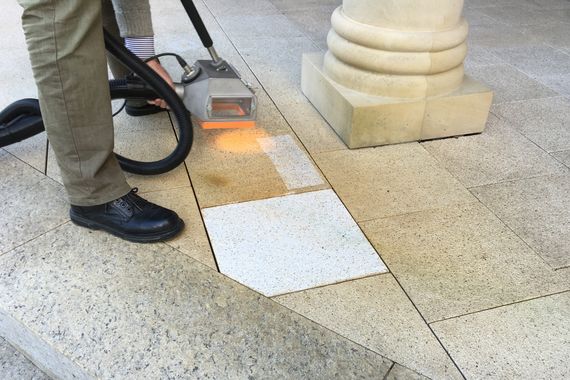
[{"x": 364, "y": 120}]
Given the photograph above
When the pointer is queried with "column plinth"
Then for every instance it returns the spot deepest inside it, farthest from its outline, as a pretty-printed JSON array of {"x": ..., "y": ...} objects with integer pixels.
[{"x": 394, "y": 73}]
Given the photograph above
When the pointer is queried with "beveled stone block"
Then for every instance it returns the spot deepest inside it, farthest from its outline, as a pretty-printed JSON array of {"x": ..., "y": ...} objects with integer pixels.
[{"x": 364, "y": 120}]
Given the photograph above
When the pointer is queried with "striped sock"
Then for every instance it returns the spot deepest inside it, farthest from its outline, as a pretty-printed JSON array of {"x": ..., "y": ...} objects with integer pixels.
[{"x": 142, "y": 47}]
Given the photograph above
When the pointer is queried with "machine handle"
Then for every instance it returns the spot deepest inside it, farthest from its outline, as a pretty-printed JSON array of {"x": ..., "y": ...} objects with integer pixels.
[{"x": 198, "y": 23}]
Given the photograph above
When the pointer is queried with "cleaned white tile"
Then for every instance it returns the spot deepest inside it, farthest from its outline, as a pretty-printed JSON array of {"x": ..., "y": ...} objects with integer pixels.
[
  {"x": 290, "y": 243},
  {"x": 295, "y": 168}
]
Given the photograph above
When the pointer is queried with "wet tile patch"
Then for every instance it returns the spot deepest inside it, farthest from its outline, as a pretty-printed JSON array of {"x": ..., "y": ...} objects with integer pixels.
[
  {"x": 291, "y": 243},
  {"x": 295, "y": 168}
]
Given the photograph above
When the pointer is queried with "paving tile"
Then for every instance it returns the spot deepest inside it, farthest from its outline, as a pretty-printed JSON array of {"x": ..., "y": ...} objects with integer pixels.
[
  {"x": 32, "y": 151},
  {"x": 291, "y": 243},
  {"x": 475, "y": 17},
  {"x": 482, "y": 159},
  {"x": 376, "y": 313},
  {"x": 460, "y": 260},
  {"x": 537, "y": 210},
  {"x": 193, "y": 240},
  {"x": 528, "y": 340},
  {"x": 293, "y": 164},
  {"x": 543, "y": 121},
  {"x": 517, "y": 15},
  {"x": 558, "y": 83},
  {"x": 226, "y": 165},
  {"x": 277, "y": 64},
  {"x": 31, "y": 203},
  {"x": 402, "y": 373},
  {"x": 552, "y": 34},
  {"x": 110, "y": 309},
  {"x": 312, "y": 129},
  {"x": 241, "y": 7},
  {"x": 536, "y": 61},
  {"x": 501, "y": 78},
  {"x": 390, "y": 180},
  {"x": 563, "y": 156},
  {"x": 477, "y": 56},
  {"x": 14, "y": 365},
  {"x": 314, "y": 21},
  {"x": 229, "y": 166},
  {"x": 498, "y": 36},
  {"x": 258, "y": 27}
]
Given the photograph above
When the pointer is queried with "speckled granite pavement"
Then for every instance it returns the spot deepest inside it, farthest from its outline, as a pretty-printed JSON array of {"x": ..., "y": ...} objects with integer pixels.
[{"x": 473, "y": 230}]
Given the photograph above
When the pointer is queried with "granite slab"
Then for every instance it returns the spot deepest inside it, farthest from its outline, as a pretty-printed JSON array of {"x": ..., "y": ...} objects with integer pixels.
[
  {"x": 376, "y": 313},
  {"x": 290, "y": 243},
  {"x": 537, "y": 210},
  {"x": 527, "y": 340},
  {"x": 31, "y": 203},
  {"x": 563, "y": 156},
  {"x": 460, "y": 260},
  {"x": 102, "y": 308}
]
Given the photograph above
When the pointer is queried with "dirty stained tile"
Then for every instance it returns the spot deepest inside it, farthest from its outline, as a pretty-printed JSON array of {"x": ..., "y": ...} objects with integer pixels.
[
  {"x": 390, "y": 180},
  {"x": 527, "y": 340},
  {"x": 459, "y": 260},
  {"x": 290, "y": 243},
  {"x": 376, "y": 313},
  {"x": 229, "y": 166}
]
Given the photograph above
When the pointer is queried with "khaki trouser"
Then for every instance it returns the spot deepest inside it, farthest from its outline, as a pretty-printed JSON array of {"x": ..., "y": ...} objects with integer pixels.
[{"x": 65, "y": 42}]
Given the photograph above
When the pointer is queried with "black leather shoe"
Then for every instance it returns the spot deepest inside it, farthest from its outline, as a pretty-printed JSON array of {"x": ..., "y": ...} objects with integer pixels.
[{"x": 131, "y": 218}]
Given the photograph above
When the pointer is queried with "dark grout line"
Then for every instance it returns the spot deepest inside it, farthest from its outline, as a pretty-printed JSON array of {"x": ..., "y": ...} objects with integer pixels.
[
  {"x": 196, "y": 198},
  {"x": 501, "y": 306},
  {"x": 333, "y": 284},
  {"x": 24, "y": 162},
  {"x": 34, "y": 238},
  {"x": 389, "y": 370}
]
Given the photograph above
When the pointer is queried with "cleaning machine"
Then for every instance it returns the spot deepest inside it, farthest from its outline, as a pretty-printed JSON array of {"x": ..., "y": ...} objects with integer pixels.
[{"x": 211, "y": 90}]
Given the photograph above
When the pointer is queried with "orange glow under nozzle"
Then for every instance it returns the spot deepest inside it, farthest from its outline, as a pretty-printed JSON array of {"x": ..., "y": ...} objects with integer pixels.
[{"x": 226, "y": 124}]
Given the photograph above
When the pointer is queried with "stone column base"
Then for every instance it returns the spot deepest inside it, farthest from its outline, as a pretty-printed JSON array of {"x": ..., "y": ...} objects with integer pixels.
[{"x": 364, "y": 120}]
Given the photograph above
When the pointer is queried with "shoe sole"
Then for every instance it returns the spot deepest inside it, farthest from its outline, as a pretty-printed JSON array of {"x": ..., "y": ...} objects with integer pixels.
[
  {"x": 136, "y": 238},
  {"x": 142, "y": 111}
]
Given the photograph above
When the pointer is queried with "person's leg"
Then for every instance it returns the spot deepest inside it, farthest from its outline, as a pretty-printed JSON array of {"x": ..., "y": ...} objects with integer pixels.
[
  {"x": 65, "y": 43},
  {"x": 110, "y": 24}
]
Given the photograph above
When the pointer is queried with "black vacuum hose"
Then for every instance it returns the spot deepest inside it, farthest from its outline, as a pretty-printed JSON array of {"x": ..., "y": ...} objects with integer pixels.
[
  {"x": 165, "y": 92},
  {"x": 22, "y": 119}
]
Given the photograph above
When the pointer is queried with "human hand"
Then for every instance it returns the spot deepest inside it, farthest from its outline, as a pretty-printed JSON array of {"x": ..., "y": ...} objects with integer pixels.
[{"x": 157, "y": 67}]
